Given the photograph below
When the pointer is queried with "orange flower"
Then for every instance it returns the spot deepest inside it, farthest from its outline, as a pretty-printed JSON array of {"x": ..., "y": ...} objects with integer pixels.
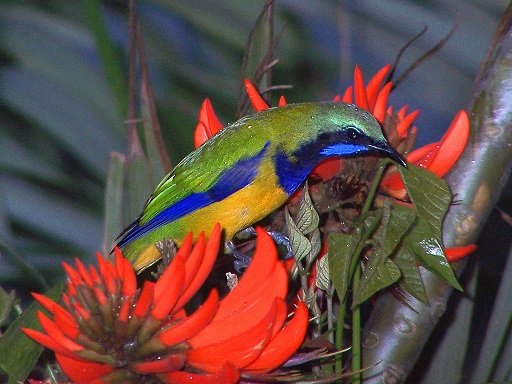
[{"x": 108, "y": 331}]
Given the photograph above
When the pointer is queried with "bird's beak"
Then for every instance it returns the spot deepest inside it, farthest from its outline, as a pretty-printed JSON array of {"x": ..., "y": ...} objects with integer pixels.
[{"x": 388, "y": 151}]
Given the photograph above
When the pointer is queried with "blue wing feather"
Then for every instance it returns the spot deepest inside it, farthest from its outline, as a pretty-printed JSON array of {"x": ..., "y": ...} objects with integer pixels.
[{"x": 241, "y": 174}]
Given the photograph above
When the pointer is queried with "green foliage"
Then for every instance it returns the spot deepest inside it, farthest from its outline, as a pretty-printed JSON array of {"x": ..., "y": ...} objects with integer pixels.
[
  {"x": 18, "y": 353},
  {"x": 393, "y": 240}
]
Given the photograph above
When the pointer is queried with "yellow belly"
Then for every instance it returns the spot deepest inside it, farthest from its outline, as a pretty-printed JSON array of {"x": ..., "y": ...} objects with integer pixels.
[{"x": 237, "y": 211}]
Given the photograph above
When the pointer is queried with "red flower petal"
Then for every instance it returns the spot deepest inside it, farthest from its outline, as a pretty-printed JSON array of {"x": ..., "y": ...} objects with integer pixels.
[
  {"x": 457, "y": 253},
  {"x": 47, "y": 341},
  {"x": 359, "y": 90},
  {"x": 173, "y": 279},
  {"x": 210, "y": 255},
  {"x": 263, "y": 263},
  {"x": 73, "y": 275},
  {"x": 82, "y": 372},
  {"x": 405, "y": 122},
  {"x": 379, "y": 110},
  {"x": 228, "y": 374},
  {"x": 327, "y": 169},
  {"x": 348, "y": 95},
  {"x": 451, "y": 145},
  {"x": 145, "y": 300},
  {"x": 44, "y": 301},
  {"x": 418, "y": 155},
  {"x": 84, "y": 272},
  {"x": 183, "y": 253},
  {"x": 65, "y": 322},
  {"x": 208, "y": 125},
  {"x": 240, "y": 350},
  {"x": 196, "y": 322},
  {"x": 246, "y": 313},
  {"x": 166, "y": 364},
  {"x": 372, "y": 89},
  {"x": 56, "y": 333},
  {"x": 285, "y": 343},
  {"x": 255, "y": 98}
]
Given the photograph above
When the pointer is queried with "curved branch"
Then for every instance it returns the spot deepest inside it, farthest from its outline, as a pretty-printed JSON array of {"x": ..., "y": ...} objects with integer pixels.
[{"x": 395, "y": 334}]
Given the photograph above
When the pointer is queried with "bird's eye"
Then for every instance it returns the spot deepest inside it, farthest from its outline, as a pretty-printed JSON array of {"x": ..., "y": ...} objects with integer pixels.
[{"x": 352, "y": 133}]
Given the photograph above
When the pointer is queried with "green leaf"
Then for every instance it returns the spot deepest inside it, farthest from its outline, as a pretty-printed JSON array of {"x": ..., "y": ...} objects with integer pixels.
[
  {"x": 380, "y": 271},
  {"x": 341, "y": 252},
  {"x": 307, "y": 218},
  {"x": 18, "y": 353},
  {"x": 6, "y": 305},
  {"x": 114, "y": 201},
  {"x": 430, "y": 195},
  {"x": 301, "y": 246},
  {"x": 427, "y": 248},
  {"x": 411, "y": 281}
]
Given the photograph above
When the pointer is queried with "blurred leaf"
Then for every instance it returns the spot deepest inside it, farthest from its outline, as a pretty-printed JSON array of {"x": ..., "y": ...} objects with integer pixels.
[
  {"x": 29, "y": 271},
  {"x": 76, "y": 126},
  {"x": 139, "y": 183},
  {"x": 411, "y": 281},
  {"x": 18, "y": 353},
  {"x": 341, "y": 252},
  {"x": 258, "y": 55},
  {"x": 6, "y": 305},
  {"x": 495, "y": 358},
  {"x": 380, "y": 271},
  {"x": 155, "y": 146},
  {"x": 114, "y": 222},
  {"x": 112, "y": 63}
]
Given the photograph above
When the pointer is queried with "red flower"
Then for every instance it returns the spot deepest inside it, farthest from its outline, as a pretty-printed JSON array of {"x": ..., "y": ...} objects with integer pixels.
[
  {"x": 108, "y": 331},
  {"x": 437, "y": 157}
]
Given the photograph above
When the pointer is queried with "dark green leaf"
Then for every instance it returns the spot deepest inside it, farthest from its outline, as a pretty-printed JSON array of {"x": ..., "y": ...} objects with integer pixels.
[
  {"x": 411, "y": 281},
  {"x": 427, "y": 248},
  {"x": 430, "y": 195},
  {"x": 341, "y": 252},
  {"x": 18, "y": 353},
  {"x": 380, "y": 271}
]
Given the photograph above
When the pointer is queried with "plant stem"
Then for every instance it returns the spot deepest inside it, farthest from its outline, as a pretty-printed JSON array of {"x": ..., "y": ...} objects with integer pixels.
[
  {"x": 338, "y": 342},
  {"x": 356, "y": 332}
]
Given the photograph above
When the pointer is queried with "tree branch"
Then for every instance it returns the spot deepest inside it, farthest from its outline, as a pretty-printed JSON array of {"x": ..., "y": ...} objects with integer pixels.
[{"x": 395, "y": 334}]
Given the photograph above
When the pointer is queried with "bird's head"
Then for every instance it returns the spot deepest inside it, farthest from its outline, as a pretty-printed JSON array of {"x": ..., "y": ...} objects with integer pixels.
[{"x": 333, "y": 129}]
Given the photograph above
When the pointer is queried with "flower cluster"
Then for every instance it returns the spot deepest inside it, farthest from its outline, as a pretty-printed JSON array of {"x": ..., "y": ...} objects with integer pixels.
[
  {"x": 109, "y": 331},
  {"x": 438, "y": 157}
]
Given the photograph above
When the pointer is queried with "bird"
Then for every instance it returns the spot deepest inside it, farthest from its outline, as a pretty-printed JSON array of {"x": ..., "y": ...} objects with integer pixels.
[{"x": 248, "y": 170}]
